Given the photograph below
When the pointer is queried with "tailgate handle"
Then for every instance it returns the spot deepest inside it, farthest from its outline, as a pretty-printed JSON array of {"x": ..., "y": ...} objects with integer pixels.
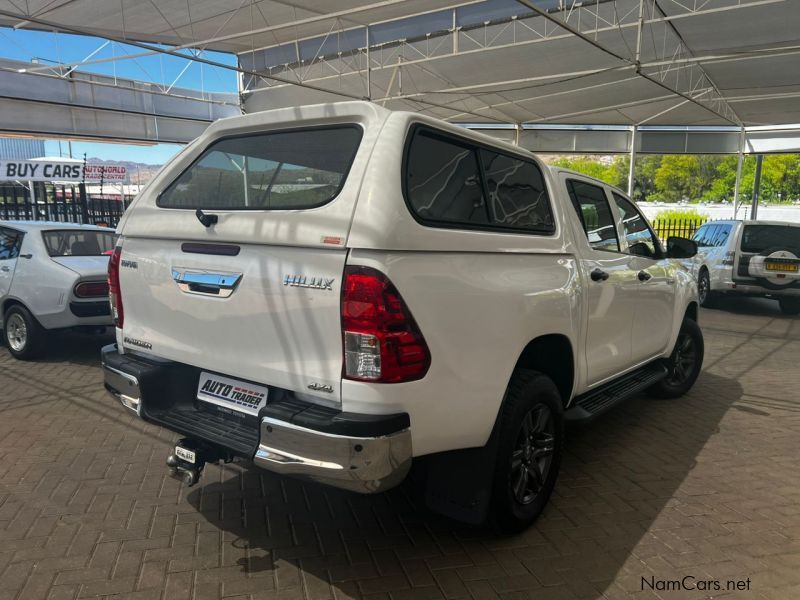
[{"x": 220, "y": 285}]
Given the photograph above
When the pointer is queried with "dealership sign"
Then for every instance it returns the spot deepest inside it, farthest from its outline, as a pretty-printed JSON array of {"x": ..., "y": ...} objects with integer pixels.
[{"x": 54, "y": 170}]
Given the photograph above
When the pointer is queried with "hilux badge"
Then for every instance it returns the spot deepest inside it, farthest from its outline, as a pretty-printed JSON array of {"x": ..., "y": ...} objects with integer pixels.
[{"x": 316, "y": 283}]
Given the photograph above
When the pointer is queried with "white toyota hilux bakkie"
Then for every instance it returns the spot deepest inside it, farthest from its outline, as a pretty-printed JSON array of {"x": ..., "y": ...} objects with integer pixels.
[{"x": 335, "y": 291}]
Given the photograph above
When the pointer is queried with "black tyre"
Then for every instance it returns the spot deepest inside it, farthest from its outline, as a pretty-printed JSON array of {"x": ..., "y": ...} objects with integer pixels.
[
  {"x": 530, "y": 446},
  {"x": 790, "y": 306},
  {"x": 704, "y": 288},
  {"x": 684, "y": 363},
  {"x": 24, "y": 336}
]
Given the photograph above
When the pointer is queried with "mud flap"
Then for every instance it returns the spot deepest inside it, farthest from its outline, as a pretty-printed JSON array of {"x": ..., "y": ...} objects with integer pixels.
[{"x": 458, "y": 484}]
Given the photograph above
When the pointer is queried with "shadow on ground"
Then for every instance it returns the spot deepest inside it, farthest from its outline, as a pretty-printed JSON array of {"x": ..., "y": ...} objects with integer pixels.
[
  {"x": 77, "y": 347},
  {"x": 619, "y": 474}
]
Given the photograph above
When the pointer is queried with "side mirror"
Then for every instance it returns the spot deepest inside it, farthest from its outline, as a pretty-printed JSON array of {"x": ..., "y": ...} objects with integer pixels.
[{"x": 680, "y": 247}]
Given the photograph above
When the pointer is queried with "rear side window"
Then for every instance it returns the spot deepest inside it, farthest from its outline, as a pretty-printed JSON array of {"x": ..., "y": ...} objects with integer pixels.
[
  {"x": 517, "y": 194},
  {"x": 443, "y": 182},
  {"x": 10, "y": 242},
  {"x": 270, "y": 171},
  {"x": 594, "y": 212},
  {"x": 764, "y": 238},
  {"x": 451, "y": 182},
  {"x": 75, "y": 242}
]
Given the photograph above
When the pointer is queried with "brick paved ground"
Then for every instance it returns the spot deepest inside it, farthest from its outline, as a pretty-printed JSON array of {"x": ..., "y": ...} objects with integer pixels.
[{"x": 706, "y": 486}]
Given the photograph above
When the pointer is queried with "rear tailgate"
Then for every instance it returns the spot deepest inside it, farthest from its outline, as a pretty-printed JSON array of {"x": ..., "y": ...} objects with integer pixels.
[
  {"x": 256, "y": 295},
  {"x": 269, "y": 330}
]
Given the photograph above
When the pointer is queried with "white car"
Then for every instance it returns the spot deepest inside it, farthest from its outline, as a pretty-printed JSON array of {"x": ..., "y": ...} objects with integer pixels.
[
  {"x": 752, "y": 258},
  {"x": 52, "y": 276},
  {"x": 337, "y": 291}
]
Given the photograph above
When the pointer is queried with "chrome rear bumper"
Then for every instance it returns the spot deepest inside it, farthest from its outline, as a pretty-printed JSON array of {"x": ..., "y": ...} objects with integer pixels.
[
  {"x": 360, "y": 464},
  {"x": 360, "y": 453}
]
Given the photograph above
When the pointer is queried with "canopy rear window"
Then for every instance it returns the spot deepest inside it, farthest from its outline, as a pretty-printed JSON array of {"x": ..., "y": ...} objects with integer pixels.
[
  {"x": 297, "y": 169},
  {"x": 763, "y": 238}
]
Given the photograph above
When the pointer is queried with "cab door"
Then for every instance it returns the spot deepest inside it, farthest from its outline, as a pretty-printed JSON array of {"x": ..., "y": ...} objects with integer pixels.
[
  {"x": 611, "y": 284},
  {"x": 10, "y": 241},
  {"x": 655, "y": 293}
]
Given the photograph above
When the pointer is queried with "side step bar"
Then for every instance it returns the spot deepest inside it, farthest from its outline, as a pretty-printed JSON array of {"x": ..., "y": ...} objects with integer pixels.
[{"x": 595, "y": 402}]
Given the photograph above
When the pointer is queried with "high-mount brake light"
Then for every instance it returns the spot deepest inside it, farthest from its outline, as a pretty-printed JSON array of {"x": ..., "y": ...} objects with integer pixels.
[
  {"x": 114, "y": 290},
  {"x": 382, "y": 342}
]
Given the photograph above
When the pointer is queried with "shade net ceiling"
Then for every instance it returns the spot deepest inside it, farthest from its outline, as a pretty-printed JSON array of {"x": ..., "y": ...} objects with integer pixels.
[{"x": 654, "y": 62}]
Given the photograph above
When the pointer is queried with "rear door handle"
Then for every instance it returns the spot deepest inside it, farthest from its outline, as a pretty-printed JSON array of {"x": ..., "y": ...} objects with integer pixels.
[
  {"x": 5, "y": 269},
  {"x": 598, "y": 275},
  {"x": 644, "y": 276}
]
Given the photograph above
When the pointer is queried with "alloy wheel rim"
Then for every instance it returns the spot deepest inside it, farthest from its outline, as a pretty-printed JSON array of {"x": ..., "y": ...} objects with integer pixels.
[
  {"x": 683, "y": 359},
  {"x": 702, "y": 289},
  {"x": 532, "y": 454},
  {"x": 17, "y": 332}
]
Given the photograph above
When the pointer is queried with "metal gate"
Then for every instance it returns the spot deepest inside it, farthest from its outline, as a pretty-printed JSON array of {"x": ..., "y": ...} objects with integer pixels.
[{"x": 64, "y": 203}]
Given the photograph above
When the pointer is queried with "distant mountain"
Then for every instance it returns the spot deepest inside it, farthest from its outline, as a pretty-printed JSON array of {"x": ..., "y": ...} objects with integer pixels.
[{"x": 137, "y": 172}]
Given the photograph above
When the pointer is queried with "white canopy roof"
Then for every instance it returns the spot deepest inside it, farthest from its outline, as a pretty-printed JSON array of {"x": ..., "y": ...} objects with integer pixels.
[{"x": 654, "y": 62}]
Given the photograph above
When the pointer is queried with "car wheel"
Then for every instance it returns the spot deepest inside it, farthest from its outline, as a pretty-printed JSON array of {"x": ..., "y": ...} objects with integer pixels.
[
  {"x": 24, "y": 336},
  {"x": 790, "y": 306},
  {"x": 704, "y": 288},
  {"x": 530, "y": 446},
  {"x": 684, "y": 363}
]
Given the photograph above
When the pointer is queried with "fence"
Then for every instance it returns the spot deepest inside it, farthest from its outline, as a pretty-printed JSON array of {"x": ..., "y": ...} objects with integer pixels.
[
  {"x": 666, "y": 228},
  {"x": 64, "y": 203}
]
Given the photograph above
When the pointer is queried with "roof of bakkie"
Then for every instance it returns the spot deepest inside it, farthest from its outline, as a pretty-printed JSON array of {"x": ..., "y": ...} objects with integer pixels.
[{"x": 44, "y": 225}]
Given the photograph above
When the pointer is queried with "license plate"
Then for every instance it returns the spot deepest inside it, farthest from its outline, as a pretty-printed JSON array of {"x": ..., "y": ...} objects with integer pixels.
[
  {"x": 184, "y": 454},
  {"x": 241, "y": 396},
  {"x": 788, "y": 267}
]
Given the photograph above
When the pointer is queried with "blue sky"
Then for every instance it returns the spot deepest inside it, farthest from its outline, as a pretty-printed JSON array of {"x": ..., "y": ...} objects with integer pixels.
[{"x": 50, "y": 48}]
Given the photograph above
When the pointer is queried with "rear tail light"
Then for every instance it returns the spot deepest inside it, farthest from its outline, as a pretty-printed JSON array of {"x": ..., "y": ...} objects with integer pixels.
[
  {"x": 91, "y": 289},
  {"x": 728, "y": 260},
  {"x": 382, "y": 342},
  {"x": 114, "y": 291}
]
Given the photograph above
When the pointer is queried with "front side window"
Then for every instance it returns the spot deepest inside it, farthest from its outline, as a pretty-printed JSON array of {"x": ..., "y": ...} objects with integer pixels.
[
  {"x": 641, "y": 241},
  {"x": 10, "y": 242},
  {"x": 298, "y": 169},
  {"x": 443, "y": 183},
  {"x": 76, "y": 242},
  {"x": 700, "y": 235},
  {"x": 595, "y": 215}
]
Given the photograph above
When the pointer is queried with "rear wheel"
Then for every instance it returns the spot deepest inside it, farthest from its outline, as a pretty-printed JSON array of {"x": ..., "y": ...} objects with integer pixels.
[
  {"x": 684, "y": 363},
  {"x": 704, "y": 288},
  {"x": 530, "y": 446},
  {"x": 790, "y": 306},
  {"x": 24, "y": 336}
]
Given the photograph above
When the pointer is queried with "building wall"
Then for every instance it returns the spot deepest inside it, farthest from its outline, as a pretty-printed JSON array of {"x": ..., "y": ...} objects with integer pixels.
[{"x": 20, "y": 148}]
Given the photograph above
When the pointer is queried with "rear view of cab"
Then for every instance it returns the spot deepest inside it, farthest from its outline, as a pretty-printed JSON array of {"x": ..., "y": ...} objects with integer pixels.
[{"x": 228, "y": 288}]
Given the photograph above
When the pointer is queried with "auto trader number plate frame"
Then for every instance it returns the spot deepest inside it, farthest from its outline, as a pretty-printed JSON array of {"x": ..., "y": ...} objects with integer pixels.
[{"x": 232, "y": 394}]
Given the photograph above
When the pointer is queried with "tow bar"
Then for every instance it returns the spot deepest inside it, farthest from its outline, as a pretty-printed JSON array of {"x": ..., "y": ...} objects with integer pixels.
[{"x": 190, "y": 457}]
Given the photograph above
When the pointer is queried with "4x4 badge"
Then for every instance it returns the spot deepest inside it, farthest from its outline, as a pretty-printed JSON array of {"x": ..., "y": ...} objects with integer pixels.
[{"x": 316, "y": 283}]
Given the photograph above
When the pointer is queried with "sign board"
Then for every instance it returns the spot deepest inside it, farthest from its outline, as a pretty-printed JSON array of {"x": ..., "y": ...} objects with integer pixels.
[{"x": 55, "y": 170}]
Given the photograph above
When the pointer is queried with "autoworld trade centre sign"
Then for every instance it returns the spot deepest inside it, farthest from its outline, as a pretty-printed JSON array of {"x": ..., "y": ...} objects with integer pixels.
[{"x": 47, "y": 170}]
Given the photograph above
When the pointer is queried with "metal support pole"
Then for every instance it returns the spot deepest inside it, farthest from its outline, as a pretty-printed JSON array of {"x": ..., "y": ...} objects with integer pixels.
[
  {"x": 738, "y": 185},
  {"x": 632, "y": 166},
  {"x": 756, "y": 187},
  {"x": 369, "y": 68}
]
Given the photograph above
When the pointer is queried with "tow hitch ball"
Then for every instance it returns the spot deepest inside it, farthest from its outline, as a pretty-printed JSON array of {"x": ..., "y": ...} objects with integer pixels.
[{"x": 189, "y": 458}]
